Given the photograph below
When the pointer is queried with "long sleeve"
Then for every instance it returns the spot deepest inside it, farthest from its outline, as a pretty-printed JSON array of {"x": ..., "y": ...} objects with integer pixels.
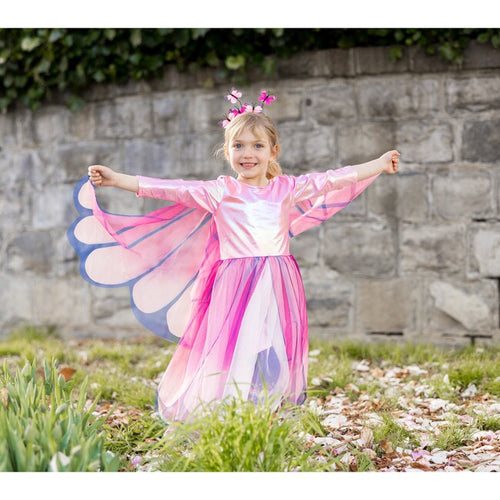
[
  {"x": 318, "y": 183},
  {"x": 199, "y": 194}
]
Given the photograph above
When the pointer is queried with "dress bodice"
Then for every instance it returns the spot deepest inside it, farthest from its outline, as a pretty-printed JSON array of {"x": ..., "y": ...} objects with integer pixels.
[{"x": 253, "y": 221}]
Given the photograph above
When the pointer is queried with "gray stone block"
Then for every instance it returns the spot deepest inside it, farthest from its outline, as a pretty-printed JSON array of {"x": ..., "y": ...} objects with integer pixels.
[
  {"x": 461, "y": 307},
  {"x": 53, "y": 207},
  {"x": 460, "y": 194},
  {"x": 376, "y": 60},
  {"x": 432, "y": 249},
  {"x": 300, "y": 147},
  {"x": 329, "y": 298},
  {"x": 424, "y": 142},
  {"x": 111, "y": 307},
  {"x": 390, "y": 305},
  {"x": 15, "y": 211},
  {"x": 413, "y": 197},
  {"x": 360, "y": 249},
  {"x": 54, "y": 302},
  {"x": 305, "y": 247},
  {"x": 23, "y": 171},
  {"x": 16, "y": 301},
  {"x": 421, "y": 62},
  {"x": 326, "y": 105},
  {"x": 50, "y": 124},
  {"x": 168, "y": 114},
  {"x": 484, "y": 250},
  {"x": 8, "y": 136},
  {"x": 289, "y": 106},
  {"x": 125, "y": 117},
  {"x": 25, "y": 129},
  {"x": 399, "y": 197},
  {"x": 472, "y": 93},
  {"x": 481, "y": 55},
  {"x": 362, "y": 142},
  {"x": 31, "y": 251},
  {"x": 81, "y": 124},
  {"x": 401, "y": 96},
  {"x": 480, "y": 141},
  {"x": 149, "y": 158},
  {"x": 72, "y": 161}
]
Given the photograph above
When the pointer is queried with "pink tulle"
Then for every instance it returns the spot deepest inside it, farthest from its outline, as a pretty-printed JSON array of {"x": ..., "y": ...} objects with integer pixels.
[{"x": 248, "y": 335}]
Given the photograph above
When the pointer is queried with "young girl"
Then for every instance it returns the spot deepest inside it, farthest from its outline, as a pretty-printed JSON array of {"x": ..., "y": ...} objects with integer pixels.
[{"x": 214, "y": 269}]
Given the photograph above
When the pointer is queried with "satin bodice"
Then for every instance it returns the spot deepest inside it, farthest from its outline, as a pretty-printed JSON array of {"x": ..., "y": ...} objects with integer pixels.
[{"x": 251, "y": 221}]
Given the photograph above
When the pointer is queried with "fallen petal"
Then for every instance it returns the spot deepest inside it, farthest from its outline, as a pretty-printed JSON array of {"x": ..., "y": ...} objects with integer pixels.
[
  {"x": 436, "y": 404},
  {"x": 470, "y": 392},
  {"x": 366, "y": 437},
  {"x": 439, "y": 458}
]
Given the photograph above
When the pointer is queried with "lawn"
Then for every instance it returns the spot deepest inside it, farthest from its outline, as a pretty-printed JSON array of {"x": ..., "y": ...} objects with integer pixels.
[{"x": 87, "y": 404}]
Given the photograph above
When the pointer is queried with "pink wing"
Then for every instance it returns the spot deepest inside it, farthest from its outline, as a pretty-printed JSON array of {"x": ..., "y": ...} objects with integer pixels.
[
  {"x": 159, "y": 256},
  {"x": 314, "y": 211}
]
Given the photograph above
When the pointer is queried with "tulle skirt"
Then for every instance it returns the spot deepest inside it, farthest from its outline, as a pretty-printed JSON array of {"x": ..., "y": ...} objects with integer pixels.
[{"x": 247, "y": 338}]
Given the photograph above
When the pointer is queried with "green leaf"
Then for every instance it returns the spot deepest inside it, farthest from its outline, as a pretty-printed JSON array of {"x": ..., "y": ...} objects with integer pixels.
[
  {"x": 110, "y": 34},
  {"x": 235, "y": 62},
  {"x": 30, "y": 43},
  {"x": 55, "y": 35},
  {"x": 395, "y": 53},
  {"x": 99, "y": 76},
  {"x": 212, "y": 59},
  {"x": 199, "y": 33},
  {"x": 136, "y": 37}
]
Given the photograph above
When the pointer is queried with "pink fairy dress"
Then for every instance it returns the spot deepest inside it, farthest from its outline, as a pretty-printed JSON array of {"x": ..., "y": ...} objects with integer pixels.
[{"x": 213, "y": 272}]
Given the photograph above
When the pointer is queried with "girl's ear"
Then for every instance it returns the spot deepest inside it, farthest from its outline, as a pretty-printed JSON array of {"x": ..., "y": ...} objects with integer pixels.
[
  {"x": 275, "y": 151},
  {"x": 226, "y": 152}
]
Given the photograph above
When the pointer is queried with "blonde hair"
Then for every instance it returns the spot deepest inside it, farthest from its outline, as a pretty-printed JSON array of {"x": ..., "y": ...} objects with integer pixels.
[{"x": 255, "y": 121}]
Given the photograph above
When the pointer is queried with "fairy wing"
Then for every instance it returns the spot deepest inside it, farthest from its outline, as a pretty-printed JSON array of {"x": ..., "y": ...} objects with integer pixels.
[
  {"x": 159, "y": 256},
  {"x": 318, "y": 208}
]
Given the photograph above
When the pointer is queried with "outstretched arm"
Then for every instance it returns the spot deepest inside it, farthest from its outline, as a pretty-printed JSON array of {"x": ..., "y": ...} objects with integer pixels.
[
  {"x": 100, "y": 175},
  {"x": 387, "y": 163}
]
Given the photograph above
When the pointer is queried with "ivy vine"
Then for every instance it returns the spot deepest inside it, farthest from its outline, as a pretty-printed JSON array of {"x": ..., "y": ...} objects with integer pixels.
[{"x": 36, "y": 64}]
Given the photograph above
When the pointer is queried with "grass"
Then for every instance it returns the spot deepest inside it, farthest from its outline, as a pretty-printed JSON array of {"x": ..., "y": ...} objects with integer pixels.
[
  {"x": 44, "y": 427},
  {"x": 452, "y": 435},
  {"x": 393, "y": 432},
  {"x": 488, "y": 423},
  {"x": 239, "y": 436}
]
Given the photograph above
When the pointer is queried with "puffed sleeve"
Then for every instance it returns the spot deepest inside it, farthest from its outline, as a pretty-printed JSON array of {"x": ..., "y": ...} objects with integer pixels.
[
  {"x": 191, "y": 193},
  {"x": 318, "y": 183}
]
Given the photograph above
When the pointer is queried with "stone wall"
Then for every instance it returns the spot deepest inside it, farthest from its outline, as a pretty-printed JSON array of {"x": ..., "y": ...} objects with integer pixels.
[{"x": 416, "y": 257}]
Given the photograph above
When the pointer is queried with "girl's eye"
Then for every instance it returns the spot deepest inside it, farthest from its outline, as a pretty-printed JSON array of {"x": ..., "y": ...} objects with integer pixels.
[
  {"x": 259, "y": 145},
  {"x": 236, "y": 146}
]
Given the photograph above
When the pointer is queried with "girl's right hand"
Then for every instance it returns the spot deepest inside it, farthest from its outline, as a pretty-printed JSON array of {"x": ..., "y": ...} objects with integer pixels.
[{"x": 100, "y": 175}]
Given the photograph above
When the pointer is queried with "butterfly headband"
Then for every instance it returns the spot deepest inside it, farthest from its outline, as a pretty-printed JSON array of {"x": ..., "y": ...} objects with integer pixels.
[{"x": 234, "y": 97}]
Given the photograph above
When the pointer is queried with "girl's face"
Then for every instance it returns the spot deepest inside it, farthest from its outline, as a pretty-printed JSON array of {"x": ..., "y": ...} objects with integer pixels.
[{"x": 249, "y": 156}]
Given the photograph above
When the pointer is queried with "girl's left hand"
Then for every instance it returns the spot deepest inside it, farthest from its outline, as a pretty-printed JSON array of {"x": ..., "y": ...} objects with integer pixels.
[{"x": 390, "y": 161}]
